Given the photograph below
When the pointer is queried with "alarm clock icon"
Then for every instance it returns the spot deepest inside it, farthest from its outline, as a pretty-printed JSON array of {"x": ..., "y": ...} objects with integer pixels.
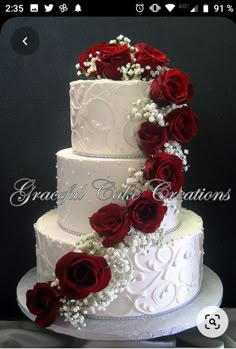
[{"x": 139, "y": 8}]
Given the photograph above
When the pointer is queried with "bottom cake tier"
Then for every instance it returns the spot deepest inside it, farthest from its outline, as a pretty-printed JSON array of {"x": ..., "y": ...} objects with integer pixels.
[{"x": 167, "y": 277}]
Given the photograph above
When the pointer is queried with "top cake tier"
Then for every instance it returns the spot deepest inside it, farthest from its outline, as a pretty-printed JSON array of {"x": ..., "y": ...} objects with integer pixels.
[{"x": 99, "y": 117}]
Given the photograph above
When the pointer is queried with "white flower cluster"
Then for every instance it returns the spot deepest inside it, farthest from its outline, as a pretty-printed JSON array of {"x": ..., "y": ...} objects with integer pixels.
[
  {"x": 159, "y": 69},
  {"x": 90, "y": 64},
  {"x": 132, "y": 71},
  {"x": 134, "y": 182},
  {"x": 122, "y": 40},
  {"x": 139, "y": 242},
  {"x": 145, "y": 108},
  {"x": 75, "y": 311},
  {"x": 90, "y": 244},
  {"x": 174, "y": 148}
]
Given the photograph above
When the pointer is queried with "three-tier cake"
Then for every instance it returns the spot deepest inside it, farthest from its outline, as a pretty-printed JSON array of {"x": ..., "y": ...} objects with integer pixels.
[{"x": 119, "y": 243}]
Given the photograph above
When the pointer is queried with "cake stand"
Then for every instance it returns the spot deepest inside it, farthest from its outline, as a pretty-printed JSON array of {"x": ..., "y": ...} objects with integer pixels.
[{"x": 138, "y": 329}]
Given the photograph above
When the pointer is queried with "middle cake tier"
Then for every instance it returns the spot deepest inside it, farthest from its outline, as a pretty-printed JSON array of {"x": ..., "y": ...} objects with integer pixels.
[{"x": 86, "y": 184}]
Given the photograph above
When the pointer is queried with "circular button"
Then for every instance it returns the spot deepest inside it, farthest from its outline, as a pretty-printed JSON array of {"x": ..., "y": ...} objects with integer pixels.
[
  {"x": 212, "y": 321},
  {"x": 25, "y": 41}
]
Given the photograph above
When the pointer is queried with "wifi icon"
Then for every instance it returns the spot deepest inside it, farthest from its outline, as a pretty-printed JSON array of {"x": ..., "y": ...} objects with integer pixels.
[{"x": 170, "y": 7}]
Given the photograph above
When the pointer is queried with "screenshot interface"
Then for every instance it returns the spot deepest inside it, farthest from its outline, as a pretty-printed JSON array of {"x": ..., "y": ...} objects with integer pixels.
[{"x": 117, "y": 139}]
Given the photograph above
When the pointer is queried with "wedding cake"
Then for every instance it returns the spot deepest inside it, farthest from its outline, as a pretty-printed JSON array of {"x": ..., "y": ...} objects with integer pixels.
[{"x": 119, "y": 244}]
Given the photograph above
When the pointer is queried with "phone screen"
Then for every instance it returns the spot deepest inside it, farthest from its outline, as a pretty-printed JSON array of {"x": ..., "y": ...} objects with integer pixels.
[{"x": 94, "y": 84}]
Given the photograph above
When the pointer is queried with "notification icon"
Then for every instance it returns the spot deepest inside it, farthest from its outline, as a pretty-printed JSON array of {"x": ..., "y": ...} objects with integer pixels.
[
  {"x": 78, "y": 8},
  {"x": 48, "y": 8},
  {"x": 63, "y": 8},
  {"x": 34, "y": 8}
]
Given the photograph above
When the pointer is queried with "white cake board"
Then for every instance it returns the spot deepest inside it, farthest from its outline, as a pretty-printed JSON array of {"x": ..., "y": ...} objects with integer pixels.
[{"x": 123, "y": 330}]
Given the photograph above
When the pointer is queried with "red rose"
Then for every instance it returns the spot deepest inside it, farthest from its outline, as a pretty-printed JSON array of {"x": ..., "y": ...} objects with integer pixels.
[
  {"x": 152, "y": 137},
  {"x": 167, "y": 168},
  {"x": 85, "y": 57},
  {"x": 112, "y": 223},
  {"x": 43, "y": 301},
  {"x": 79, "y": 274},
  {"x": 182, "y": 124},
  {"x": 111, "y": 57},
  {"x": 172, "y": 86},
  {"x": 149, "y": 56},
  {"x": 146, "y": 212}
]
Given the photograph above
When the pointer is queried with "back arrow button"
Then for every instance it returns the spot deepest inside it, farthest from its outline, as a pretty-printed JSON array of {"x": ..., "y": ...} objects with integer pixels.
[{"x": 24, "y": 41}]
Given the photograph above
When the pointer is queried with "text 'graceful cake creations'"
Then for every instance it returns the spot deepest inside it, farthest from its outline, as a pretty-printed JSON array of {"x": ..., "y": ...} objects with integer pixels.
[{"x": 119, "y": 244}]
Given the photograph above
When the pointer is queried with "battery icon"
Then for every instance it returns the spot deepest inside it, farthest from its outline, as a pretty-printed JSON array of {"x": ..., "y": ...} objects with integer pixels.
[{"x": 205, "y": 8}]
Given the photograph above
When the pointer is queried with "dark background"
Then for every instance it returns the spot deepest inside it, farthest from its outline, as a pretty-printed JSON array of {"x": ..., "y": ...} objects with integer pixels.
[{"x": 35, "y": 125}]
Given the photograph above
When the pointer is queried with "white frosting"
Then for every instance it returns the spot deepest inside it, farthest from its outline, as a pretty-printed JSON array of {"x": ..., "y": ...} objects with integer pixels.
[
  {"x": 165, "y": 278},
  {"x": 169, "y": 275},
  {"x": 82, "y": 171},
  {"x": 99, "y": 116}
]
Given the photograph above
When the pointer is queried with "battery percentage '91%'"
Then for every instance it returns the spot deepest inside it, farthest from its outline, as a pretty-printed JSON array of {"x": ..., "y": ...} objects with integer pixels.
[{"x": 220, "y": 8}]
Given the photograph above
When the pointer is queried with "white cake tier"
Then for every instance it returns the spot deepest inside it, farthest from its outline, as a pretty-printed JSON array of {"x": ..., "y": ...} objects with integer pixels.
[
  {"x": 86, "y": 175},
  {"x": 164, "y": 279},
  {"x": 99, "y": 116}
]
